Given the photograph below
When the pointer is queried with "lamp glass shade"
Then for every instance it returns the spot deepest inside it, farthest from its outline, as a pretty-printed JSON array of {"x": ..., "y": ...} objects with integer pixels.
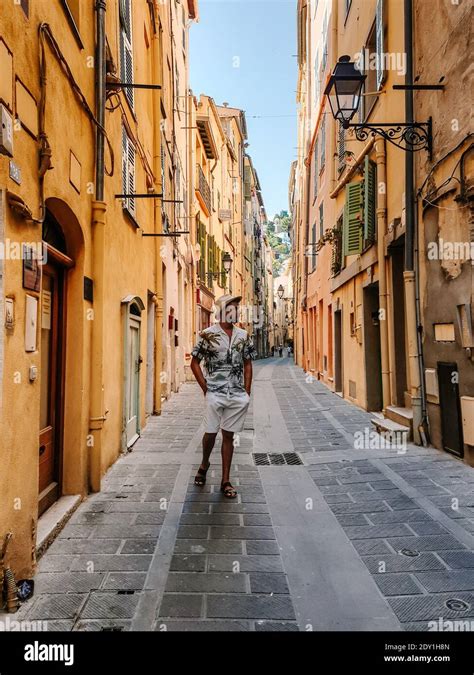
[
  {"x": 344, "y": 90},
  {"x": 227, "y": 262}
]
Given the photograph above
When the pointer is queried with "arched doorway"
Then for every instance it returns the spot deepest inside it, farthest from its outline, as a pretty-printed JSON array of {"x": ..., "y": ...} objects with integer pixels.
[{"x": 53, "y": 315}]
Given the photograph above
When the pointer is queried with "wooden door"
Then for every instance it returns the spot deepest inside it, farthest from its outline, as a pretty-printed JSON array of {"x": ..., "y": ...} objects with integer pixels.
[{"x": 51, "y": 313}]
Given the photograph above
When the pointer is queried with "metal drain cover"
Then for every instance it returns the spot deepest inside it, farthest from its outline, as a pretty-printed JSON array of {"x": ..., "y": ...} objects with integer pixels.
[
  {"x": 409, "y": 553},
  {"x": 457, "y": 605},
  {"x": 276, "y": 458}
]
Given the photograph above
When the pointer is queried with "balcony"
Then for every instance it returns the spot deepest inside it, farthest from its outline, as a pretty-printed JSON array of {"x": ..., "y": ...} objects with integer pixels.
[{"x": 203, "y": 191}]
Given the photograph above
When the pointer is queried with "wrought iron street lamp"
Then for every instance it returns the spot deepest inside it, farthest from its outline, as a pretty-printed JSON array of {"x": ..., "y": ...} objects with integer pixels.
[
  {"x": 344, "y": 91},
  {"x": 280, "y": 291},
  {"x": 227, "y": 265}
]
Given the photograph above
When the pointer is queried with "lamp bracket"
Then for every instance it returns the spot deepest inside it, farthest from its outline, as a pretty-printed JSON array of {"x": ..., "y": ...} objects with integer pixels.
[{"x": 409, "y": 137}]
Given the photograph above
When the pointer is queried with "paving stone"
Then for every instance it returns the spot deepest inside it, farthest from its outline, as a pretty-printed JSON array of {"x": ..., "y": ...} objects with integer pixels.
[
  {"x": 180, "y": 605},
  {"x": 112, "y": 563},
  {"x": 371, "y": 546},
  {"x": 110, "y": 604},
  {"x": 195, "y": 582},
  {"x": 250, "y": 606},
  {"x": 400, "y": 563},
  {"x": 338, "y": 499},
  {"x": 271, "y": 626},
  {"x": 263, "y": 582},
  {"x": 356, "y": 519},
  {"x": 430, "y": 607},
  {"x": 376, "y": 496},
  {"x": 56, "y": 563},
  {"x": 376, "y": 531},
  {"x": 397, "y": 584},
  {"x": 458, "y": 559},
  {"x": 57, "y": 606},
  {"x": 138, "y": 546},
  {"x": 101, "y": 518},
  {"x": 59, "y": 582},
  {"x": 210, "y": 519},
  {"x": 257, "y": 519},
  {"x": 203, "y": 626},
  {"x": 338, "y": 489},
  {"x": 126, "y": 581},
  {"x": 453, "y": 580},
  {"x": 97, "y": 625},
  {"x": 193, "y": 532},
  {"x": 251, "y": 507},
  {"x": 362, "y": 507},
  {"x": 325, "y": 480},
  {"x": 246, "y": 563},
  {"x": 265, "y": 547},
  {"x": 426, "y": 543},
  {"x": 231, "y": 532},
  {"x": 126, "y": 531},
  {"x": 75, "y": 546},
  {"x": 208, "y": 546},
  {"x": 412, "y": 516},
  {"x": 430, "y": 527},
  {"x": 188, "y": 563},
  {"x": 153, "y": 518}
]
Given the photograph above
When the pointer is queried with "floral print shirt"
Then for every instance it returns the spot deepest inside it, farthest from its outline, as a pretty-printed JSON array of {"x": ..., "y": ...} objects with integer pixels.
[{"x": 223, "y": 357}]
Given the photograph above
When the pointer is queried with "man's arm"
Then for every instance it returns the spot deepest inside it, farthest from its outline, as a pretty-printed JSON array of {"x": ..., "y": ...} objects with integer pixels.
[
  {"x": 198, "y": 374},
  {"x": 248, "y": 375}
]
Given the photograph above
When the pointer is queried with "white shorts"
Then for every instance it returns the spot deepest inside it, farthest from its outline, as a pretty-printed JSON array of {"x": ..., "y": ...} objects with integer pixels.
[{"x": 225, "y": 411}]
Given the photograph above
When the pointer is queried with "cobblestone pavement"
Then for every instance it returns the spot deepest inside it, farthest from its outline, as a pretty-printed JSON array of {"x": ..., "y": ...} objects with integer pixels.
[{"x": 356, "y": 538}]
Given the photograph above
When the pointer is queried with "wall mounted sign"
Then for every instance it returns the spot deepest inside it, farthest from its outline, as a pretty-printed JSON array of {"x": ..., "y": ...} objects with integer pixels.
[{"x": 31, "y": 269}]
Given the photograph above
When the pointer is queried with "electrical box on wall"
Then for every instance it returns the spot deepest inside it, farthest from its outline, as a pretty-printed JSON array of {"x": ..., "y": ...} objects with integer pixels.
[
  {"x": 6, "y": 132},
  {"x": 467, "y": 407}
]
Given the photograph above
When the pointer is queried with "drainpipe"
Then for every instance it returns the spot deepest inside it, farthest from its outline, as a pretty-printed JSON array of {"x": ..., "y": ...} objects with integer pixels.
[
  {"x": 409, "y": 274},
  {"x": 158, "y": 225},
  {"x": 99, "y": 207},
  {"x": 381, "y": 159}
]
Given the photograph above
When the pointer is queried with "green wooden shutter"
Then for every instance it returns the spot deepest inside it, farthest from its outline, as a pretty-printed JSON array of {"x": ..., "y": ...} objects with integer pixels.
[
  {"x": 352, "y": 229},
  {"x": 369, "y": 200}
]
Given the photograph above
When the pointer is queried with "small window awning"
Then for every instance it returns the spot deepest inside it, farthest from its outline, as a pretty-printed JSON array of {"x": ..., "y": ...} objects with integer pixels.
[{"x": 207, "y": 138}]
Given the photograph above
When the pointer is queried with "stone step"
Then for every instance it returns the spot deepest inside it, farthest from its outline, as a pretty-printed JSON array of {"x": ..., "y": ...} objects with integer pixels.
[
  {"x": 403, "y": 416},
  {"x": 396, "y": 433}
]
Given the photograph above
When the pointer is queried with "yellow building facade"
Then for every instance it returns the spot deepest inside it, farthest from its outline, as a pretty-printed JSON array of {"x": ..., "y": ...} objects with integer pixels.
[{"x": 81, "y": 191}]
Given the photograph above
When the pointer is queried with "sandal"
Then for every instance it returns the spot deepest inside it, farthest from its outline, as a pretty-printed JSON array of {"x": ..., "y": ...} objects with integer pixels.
[
  {"x": 229, "y": 491},
  {"x": 200, "y": 477}
]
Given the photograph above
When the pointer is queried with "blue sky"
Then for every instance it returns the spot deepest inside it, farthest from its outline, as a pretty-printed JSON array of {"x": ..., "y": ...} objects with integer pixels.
[{"x": 242, "y": 52}]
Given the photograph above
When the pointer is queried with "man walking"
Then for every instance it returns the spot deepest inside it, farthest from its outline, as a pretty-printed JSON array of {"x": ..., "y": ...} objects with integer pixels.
[{"x": 227, "y": 352}]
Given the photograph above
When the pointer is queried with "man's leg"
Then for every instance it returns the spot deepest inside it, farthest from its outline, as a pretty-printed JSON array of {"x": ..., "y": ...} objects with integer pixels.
[
  {"x": 227, "y": 452},
  {"x": 208, "y": 441}
]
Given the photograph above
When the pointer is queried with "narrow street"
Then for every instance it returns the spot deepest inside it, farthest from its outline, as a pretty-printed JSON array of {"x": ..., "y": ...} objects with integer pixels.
[{"x": 353, "y": 539}]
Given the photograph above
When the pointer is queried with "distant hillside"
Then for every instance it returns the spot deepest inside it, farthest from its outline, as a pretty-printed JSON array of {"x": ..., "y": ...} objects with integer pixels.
[{"x": 279, "y": 239}]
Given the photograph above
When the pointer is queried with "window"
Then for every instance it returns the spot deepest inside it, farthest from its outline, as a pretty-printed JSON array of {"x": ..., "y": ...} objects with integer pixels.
[
  {"x": 317, "y": 81},
  {"x": 370, "y": 201},
  {"x": 337, "y": 258},
  {"x": 314, "y": 254},
  {"x": 324, "y": 58},
  {"x": 374, "y": 74},
  {"x": 315, "y": 169},
  {"x": 321, "y": 221},
  {"x": 128, "y": 173},
  {"x": 323, "y": 143},
  {"x": 380, "y": 42},
  {"x": 126, "y": 48}
]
